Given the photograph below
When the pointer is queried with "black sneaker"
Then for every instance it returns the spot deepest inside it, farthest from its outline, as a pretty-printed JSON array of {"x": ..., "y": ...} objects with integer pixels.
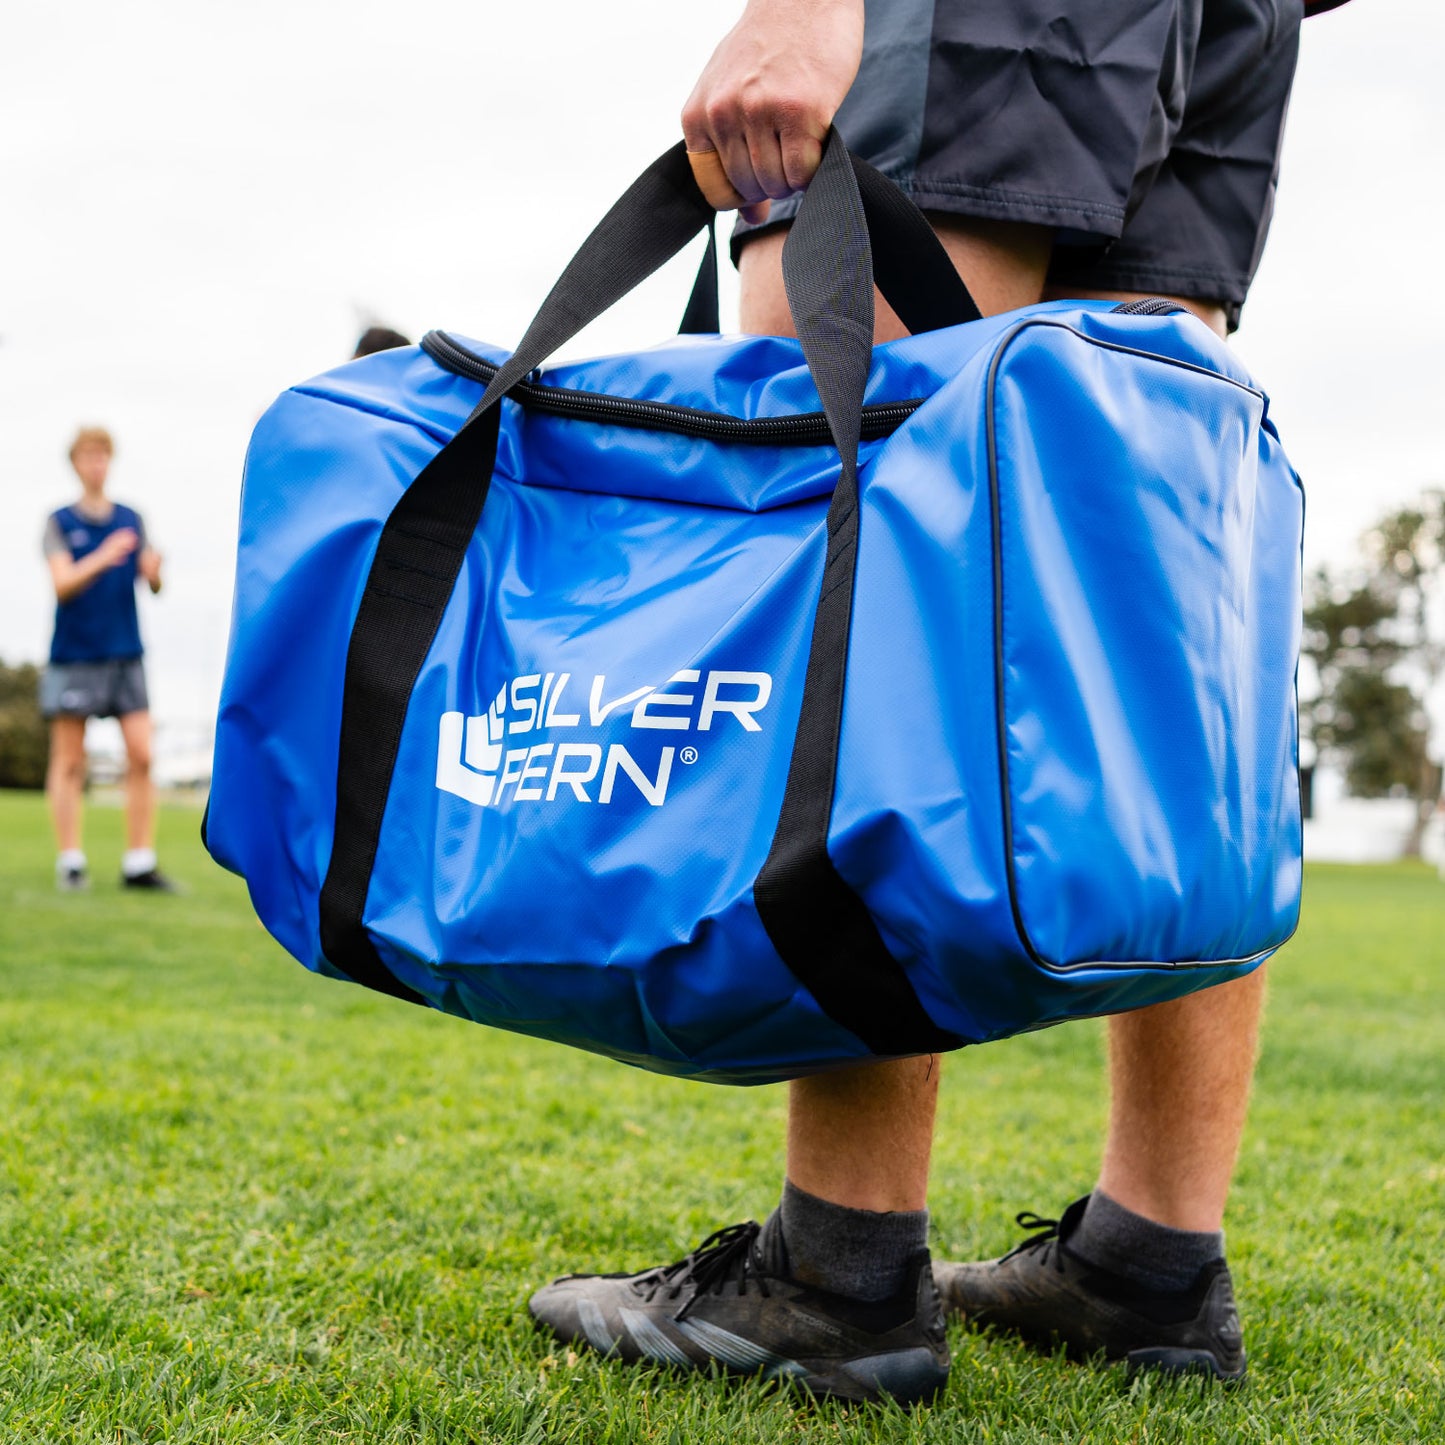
[
  {"x": 731, "y": 1304},
  {"x": 1046, "y": 1293},
  {"x": 72, "y": 880},
  {"x": 152, "y": 879}
]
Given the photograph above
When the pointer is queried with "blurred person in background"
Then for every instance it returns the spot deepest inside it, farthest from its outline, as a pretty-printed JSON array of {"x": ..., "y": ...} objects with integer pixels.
[{"x": 97, "y": 552}]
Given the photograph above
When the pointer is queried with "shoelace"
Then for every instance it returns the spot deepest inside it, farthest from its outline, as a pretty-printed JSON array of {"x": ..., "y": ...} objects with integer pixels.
[
  {"x": 723, "y": 1257},
  {"x": 1045, "y": 1237}
]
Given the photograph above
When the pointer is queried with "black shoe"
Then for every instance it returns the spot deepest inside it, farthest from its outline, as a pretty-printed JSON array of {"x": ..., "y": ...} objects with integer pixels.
[
  {"x": 152, "y": 879},
  {"x": 72, "y": 880},
  {"x": 731, "y": 1304},
  {"x": 1046, "y": 1293}
]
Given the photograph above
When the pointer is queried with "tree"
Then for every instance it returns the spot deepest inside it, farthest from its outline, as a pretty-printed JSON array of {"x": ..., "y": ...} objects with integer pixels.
[
  {"x": 1375, "y": 640},
  {"x": 24, "y": 740}
]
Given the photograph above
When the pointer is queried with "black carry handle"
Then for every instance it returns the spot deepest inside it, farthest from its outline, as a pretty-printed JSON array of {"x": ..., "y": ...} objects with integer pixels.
[
  {"x": 663, "y": 210},
  {"x": 910, "y": 266},
  {"x": 703, "y": 315},
  {"x": 820, "y": 927}
]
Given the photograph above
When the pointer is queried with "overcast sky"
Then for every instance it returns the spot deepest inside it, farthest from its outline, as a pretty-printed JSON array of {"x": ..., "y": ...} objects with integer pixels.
[{"x": 200, "y": 203}]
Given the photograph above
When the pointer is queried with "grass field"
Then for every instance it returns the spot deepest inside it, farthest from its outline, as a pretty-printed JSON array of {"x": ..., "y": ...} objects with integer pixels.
[{"x": 238, "y": 1203}]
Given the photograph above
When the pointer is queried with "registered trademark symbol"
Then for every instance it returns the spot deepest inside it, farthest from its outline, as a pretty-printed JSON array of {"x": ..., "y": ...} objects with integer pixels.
[{"x": 688, "y": 755}]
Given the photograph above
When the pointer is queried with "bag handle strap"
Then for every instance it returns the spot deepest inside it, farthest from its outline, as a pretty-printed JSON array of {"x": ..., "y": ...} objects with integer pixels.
[
  {"x": 663, "y": 210},
  {"x": 820, "y": 927},
  {"x": 703, "y": 316},
  {"x": 910, "y": 266}
]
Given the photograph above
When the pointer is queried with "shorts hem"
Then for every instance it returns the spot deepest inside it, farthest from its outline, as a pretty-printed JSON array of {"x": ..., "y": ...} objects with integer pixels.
[
  {"x": 983, "y": 203},
  {"x": 53, "y": 713},
  {"x": 994, "y": 203}
]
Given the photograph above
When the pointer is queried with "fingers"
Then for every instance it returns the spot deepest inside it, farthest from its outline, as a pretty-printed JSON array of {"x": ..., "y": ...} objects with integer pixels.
[
  {"x": 765, "y": 151},
  {"x": 802, "y": 154},
  {"x": 712, "y": 180},
  {"x": 724, "y": 165},
  {"x": 719, "y": 191},
  {"x": 743, "y": 166}
]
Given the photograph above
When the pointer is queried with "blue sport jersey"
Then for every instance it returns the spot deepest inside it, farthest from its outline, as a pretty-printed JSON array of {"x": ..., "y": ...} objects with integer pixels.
[{"x": 101, "y": 622}]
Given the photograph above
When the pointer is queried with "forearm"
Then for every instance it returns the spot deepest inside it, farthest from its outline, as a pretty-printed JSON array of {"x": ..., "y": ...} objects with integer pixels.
[
  {"x": 149, "y": 568},
  {"x": 72, "y": 578}
]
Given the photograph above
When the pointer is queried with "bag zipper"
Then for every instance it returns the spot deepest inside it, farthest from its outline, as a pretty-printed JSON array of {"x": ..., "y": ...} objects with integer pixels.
[{"x": 802, "y": 429}]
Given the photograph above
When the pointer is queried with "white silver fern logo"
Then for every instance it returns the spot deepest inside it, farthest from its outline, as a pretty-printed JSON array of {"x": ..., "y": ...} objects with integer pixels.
[
  {"x": 480, "y": 746},
  {"x": 475, "y": 763}
]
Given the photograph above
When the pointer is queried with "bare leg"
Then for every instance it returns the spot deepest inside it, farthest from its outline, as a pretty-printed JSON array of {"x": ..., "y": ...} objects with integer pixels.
[
  {"x": 65, "y": 779},
  {"x": 140, "y": 793},
  {"x": 862, "y": 1137},
  {"x": 1179, "y": 1080},
  {"x": 1002, "y": 262}
]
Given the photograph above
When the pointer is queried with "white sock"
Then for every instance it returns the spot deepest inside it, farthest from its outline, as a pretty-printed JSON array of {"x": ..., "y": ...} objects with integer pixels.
[
  {"x": 137, "y": 861},
  {"x": 70, "y": 859}
]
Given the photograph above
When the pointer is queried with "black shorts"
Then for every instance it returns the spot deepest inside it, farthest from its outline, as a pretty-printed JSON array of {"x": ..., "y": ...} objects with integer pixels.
[
  {"x": 109, "y": 688},
  {"x": 1146, "y": 133}
]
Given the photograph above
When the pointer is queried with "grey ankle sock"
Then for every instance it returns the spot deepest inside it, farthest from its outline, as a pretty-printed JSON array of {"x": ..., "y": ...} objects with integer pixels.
[
  {"x": 1150, "y": 1254},
  {"x": 853, "y": 1252}
]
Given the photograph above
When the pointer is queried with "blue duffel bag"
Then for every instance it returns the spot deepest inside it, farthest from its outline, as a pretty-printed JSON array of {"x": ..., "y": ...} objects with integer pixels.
[{"x": 745, "y": 707}]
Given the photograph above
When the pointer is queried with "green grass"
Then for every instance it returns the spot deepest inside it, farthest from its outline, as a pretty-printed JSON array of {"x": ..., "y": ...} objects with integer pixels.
[{"x": 238, "y": 1203}]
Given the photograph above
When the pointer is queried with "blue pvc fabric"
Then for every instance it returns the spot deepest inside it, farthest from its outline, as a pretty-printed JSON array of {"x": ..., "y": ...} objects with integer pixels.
[{"x": 1066, "y": 777}]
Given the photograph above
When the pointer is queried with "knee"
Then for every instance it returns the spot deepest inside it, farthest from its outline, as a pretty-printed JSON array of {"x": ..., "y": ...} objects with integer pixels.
[
  {"x": 67, "y": 770},
  {"x": 140, "y": 765}
]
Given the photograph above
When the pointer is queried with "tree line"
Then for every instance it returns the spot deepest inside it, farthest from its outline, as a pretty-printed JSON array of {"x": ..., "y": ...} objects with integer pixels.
[
  {"x": 23, "y": 735},
  {"x": 1376, "y": 636}
]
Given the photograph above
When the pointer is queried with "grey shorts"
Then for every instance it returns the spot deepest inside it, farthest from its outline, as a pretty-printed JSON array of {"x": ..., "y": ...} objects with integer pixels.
[
  {"x": 94, "y": 689},
  {"x": 1146, "y": 133}
]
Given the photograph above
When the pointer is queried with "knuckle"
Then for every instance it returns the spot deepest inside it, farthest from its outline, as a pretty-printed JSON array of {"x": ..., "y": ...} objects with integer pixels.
[
  {"x": 694, "y": 119},
  {"x": 756, "y": 111},
  {"x": 792, "y": 115},
  {"x": 721, "y": 113}
]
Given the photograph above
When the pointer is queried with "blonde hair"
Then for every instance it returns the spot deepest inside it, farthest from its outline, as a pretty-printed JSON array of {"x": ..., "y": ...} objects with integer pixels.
[{"x": 92, "y": 436}]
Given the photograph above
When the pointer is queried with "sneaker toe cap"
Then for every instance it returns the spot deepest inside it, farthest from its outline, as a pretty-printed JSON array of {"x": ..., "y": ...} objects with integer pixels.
[
  {"x": 553, "y": 1305},
  {"x": 567, "y": 1310}
]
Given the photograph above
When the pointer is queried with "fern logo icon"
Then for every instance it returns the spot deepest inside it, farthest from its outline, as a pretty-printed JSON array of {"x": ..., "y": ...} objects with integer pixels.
[{"x": 479, "y": 742}]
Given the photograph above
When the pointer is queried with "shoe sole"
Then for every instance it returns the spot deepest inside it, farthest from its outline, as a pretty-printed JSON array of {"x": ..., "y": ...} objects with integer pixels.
[
  {"x": 908, "y": 1377},
  {"x": 1164, "y": 1359},
  {"x": 1174, "y": 1360}
]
